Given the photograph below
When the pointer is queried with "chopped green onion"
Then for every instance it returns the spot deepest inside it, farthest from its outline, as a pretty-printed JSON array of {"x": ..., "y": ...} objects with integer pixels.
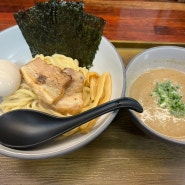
[{"x": 169, "y": 97}]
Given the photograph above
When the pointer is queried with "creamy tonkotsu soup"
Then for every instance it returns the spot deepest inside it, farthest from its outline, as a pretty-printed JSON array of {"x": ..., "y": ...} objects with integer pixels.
[{"x": 154, "y": 116}]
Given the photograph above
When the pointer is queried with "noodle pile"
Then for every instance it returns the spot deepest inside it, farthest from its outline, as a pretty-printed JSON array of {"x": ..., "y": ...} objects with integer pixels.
[{"x": 97, "y": 90}]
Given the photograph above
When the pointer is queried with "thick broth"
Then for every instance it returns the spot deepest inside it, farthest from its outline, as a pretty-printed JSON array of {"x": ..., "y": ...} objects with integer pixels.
[{"x": 155, "y": 117}]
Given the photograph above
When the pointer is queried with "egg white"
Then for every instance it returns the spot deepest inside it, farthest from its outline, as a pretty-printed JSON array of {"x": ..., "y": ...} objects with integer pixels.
[{"x": 10, "y": 78}]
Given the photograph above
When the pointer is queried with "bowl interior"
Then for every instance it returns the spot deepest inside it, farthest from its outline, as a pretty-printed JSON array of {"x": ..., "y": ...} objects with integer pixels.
[
  {"x": 157, "y": 57},
  {"x": 14, "y": 48}
]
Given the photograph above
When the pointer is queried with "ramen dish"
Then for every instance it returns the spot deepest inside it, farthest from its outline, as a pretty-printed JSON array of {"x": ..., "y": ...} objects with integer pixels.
[
  {"x": 58, "y": 86},
  {"x": 161, "y": 93}
]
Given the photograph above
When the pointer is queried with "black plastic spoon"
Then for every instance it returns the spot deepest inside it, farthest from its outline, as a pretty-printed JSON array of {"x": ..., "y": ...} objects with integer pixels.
[{"x": 21, "y": 129}]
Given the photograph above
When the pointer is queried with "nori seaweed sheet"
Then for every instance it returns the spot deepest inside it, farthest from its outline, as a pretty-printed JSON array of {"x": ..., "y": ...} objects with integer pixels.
[{"x": 61, "y": 27}]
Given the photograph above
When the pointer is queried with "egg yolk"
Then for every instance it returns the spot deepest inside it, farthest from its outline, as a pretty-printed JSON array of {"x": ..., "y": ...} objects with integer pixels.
[{"x": 10, "y": 78}]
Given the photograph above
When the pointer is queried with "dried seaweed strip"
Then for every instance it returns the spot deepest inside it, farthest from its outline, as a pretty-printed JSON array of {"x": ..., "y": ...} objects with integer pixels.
[{"x": 61, "y": 27}]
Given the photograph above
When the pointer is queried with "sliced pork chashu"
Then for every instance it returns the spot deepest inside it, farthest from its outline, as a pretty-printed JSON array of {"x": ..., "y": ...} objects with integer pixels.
[
  {"x": 72, "y": 100},
  {"x": 47, "y": 81}
]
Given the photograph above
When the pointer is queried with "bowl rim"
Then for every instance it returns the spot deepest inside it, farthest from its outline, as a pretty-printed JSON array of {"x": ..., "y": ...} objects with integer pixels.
[{"x": 132, "y": 61}]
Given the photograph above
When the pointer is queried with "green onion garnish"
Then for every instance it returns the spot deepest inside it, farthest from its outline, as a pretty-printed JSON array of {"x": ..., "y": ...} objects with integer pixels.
[{"x": 169, "y": 97}]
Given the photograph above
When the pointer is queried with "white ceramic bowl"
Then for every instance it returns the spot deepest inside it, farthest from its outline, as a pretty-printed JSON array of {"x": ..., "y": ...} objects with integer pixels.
[
  {"x": 14, "y": 48},
  {"x": 157, "y": 57}
]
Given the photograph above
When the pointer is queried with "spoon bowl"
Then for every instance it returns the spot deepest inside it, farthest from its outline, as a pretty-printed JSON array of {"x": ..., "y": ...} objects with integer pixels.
[{"x": 25, "y": 128}]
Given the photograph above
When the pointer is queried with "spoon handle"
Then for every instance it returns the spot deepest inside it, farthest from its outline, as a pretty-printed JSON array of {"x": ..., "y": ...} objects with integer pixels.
[{"x": 75, "y": 121}]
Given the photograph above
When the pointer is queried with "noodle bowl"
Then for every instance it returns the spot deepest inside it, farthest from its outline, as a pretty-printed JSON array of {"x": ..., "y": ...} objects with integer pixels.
[{"x": 106, "y": 59}]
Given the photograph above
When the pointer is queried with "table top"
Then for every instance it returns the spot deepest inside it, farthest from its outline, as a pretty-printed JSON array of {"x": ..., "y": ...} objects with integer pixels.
[
  {"x": 122, "y": 154},
  {"x": 132, "y": 20}
]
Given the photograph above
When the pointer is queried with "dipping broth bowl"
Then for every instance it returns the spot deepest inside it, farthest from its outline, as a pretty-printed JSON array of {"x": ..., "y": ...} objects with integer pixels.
[{"x": 156, "y": 58}]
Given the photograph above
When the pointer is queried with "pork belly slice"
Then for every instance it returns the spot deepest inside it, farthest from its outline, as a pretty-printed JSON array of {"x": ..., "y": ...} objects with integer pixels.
[
  {"x": 72, "y": 100},
  {"x": 47, "y": 81}
]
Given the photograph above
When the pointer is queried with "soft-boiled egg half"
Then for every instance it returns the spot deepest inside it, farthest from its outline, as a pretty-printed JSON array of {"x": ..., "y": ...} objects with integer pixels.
[{"x": 10, "y": 78}]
